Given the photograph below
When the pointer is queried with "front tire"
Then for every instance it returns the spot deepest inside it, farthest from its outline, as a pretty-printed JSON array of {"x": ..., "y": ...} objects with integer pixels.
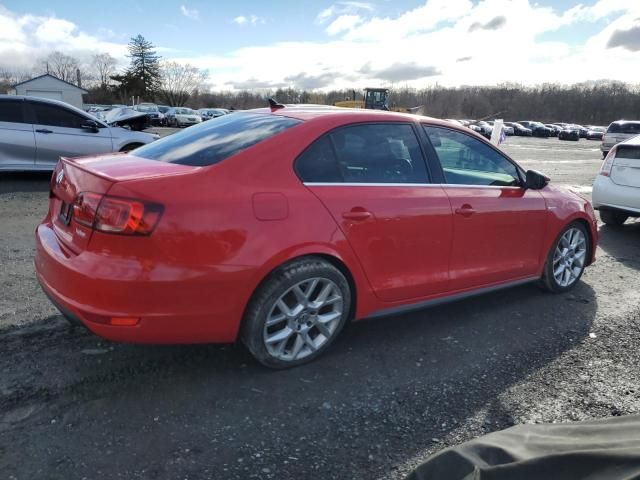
[
  {"x": 297, "y": 313},
  {"x": 613, "y": 218},
  {"x": 567, "y": 259}
]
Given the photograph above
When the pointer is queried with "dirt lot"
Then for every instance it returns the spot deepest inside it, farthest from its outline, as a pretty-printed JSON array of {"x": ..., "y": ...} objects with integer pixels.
[{"x": 387, "y": 395}]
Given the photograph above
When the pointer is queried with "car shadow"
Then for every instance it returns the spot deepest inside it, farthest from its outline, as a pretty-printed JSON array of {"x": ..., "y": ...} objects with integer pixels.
[
  {"x": 18, "y": 182},
  {"x": 383, "y": 392},
  {"x": 622, "y": 243}
]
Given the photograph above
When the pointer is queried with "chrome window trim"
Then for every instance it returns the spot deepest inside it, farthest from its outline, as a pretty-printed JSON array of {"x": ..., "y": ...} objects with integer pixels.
[{"x": 439, "y": 185}]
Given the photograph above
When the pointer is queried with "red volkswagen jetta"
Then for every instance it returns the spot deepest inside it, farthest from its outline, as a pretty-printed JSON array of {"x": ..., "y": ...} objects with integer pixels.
[{"x": 277, "y": 226}]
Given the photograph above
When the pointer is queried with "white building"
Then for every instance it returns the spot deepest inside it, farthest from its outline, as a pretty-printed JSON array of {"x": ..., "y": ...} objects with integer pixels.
[{"x": 48, "y": 86}]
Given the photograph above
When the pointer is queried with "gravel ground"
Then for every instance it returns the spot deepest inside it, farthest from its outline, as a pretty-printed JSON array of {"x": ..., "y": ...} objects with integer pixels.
[{"x": 388, "y": 394}]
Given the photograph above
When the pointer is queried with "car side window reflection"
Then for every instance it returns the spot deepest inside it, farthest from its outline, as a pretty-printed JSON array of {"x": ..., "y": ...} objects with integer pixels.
[
  {"x": 468, "y": 161},
  {"x": 374, "y": 153},
  {"x": 55, "y": 116}
]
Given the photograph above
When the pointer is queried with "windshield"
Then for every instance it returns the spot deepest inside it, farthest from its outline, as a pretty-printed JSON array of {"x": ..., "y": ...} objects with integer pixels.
[
  {"x": 184, "y": 111},
  {"x": 212, "y": 141},
  {"x": 624, "y": 127}
]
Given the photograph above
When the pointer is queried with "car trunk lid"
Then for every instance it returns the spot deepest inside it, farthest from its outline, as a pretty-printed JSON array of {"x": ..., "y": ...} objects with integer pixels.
[
  {"x": 74, "y": 176},
  {"x": 626, "y": 166}
]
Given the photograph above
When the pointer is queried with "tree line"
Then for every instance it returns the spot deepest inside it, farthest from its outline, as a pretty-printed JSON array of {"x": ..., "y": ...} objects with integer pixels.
[{"x": 151, "y": 78}]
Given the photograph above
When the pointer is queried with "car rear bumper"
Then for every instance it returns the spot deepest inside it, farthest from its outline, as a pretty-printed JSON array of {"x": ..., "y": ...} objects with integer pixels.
[
  {"x": 607, "y": 194},
  {"x": 189, "y": 306}
]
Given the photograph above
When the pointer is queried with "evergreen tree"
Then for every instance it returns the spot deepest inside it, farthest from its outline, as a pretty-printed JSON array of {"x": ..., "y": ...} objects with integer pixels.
[{"x": 143, "y": 75}]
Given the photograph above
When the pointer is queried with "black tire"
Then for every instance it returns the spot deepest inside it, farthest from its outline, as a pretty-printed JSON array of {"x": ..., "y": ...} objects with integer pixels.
[
  {"x": 548, "y": 280},
  {"x": 613, "y": 218},
  {"x": 277, "y": 284},
  {"x": 130, "y": 146}
]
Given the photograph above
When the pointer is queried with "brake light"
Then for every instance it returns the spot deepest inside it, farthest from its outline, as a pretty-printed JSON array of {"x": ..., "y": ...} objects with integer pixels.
[
  {"x": 607, "y": 165},
  {"x": 115, "y": 214}
]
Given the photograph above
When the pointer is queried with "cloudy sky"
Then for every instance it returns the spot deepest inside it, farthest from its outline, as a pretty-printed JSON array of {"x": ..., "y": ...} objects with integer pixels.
[{"x": 344, "y": 44}]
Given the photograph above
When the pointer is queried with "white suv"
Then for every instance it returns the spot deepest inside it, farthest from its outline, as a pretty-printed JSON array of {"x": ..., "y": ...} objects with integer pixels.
[
  {"x": 616, "y": 190},
  {"x": 619, "y": 132}
]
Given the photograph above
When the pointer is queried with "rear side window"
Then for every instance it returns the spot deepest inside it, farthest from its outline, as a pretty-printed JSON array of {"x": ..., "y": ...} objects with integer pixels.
[
  {"x": 632, "y": 128},
  {"x": 627, "y": 151},
  {"x": 11, "y": 111},
  {"x": 468, "y": 161},
  {"x": 214, "y": 140},
  {"x": 370, "y": 153},
  {"x": 55, "y": 116}
]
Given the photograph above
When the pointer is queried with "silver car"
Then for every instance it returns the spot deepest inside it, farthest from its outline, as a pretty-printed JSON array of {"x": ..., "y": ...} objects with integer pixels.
[
  {"x": 36, "y": 132},
  {"x": 619, "y": 132}
]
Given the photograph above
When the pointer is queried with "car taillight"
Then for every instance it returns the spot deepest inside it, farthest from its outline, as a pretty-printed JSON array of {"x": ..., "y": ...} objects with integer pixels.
[
  {"x": 608, "y": 162},
  {"x": 109, "y": 214}
]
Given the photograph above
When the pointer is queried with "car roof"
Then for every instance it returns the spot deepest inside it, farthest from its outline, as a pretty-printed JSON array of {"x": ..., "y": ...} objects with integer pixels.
[
  {"x": 313, "y": 112},
  {"x": 633, "y": 141},
  {"x": 42, "y": 100}
]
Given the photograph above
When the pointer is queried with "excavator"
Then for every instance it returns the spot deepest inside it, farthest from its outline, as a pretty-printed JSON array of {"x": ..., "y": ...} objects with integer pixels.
[{"x": 377, "y": 99}]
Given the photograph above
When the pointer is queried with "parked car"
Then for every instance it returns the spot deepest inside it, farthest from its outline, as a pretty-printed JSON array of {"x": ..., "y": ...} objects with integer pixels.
[
  {"x": 570, "y": 132},
  {"x": 519, "y": 130},
  {"x": 156, "y": 117},
  {"x": 36, "y": 132},
  {"x": 209, "y": 113},
  {"x": 582, "y": 131},
  {"x": 204, "y": 235},
  {"x": 595, "y": 133},
  {"x": 555, "y": 129},
  {"x": 483, "y": 128},
  {"x": 617, "y": 132},
  {"x": 182, "y": 117},
  {"x": 616, "y": 190},
  {"x": 537, "y": 128}
]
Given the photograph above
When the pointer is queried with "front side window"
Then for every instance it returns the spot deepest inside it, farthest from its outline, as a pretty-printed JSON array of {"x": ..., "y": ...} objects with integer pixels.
[
  {"x": 212, "y": 141},
  {"x": 373, "y": 153},
  {"x": 56, "y": 116},
  {"x": 11, "y": 111},
  {"x": 468, "y": 161}
]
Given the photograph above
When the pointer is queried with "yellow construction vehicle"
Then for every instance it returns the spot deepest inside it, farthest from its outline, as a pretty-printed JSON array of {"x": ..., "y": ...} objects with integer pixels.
[{"x": 377, "y": 99}]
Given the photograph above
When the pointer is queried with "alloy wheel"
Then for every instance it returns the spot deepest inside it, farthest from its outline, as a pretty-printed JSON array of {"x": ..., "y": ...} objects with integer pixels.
[
  {"x": 303, "y": 319},
  {"x": 569, "y": 257}
]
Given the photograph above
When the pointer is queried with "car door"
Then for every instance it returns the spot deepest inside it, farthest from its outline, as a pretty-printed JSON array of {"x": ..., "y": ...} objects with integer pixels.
[
  {"x": 59, "y": 133},
  {"x": 498, "y": 224},
  {"x": 17, "y": 140},
  {"x": 373, "y": 180}
]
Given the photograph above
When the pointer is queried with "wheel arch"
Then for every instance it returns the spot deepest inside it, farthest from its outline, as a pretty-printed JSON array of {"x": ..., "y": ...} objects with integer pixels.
[{"x": 330, "y": 257}]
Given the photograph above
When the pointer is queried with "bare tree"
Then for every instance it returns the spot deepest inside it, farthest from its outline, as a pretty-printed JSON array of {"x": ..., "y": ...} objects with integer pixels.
[
  {"x": 9, "y": 77},
  {"x": 60, "y": 65},
  {"x": 179, "y": 82},
  {"x": 103, "y": 66}
]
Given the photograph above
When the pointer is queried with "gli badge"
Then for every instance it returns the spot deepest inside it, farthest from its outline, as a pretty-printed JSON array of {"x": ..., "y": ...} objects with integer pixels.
[{"x": 60, "y": 177}]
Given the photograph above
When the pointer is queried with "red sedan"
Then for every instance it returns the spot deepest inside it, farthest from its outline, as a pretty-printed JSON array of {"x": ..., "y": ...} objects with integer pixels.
[{"x": 277, "y": 226}]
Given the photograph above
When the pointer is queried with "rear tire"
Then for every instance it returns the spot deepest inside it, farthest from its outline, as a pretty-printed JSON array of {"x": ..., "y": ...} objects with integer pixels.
[
  {"x": 297, "y": 313},
  {"x": 613, "y": 218},
  {"x": 567, "y": 259}
]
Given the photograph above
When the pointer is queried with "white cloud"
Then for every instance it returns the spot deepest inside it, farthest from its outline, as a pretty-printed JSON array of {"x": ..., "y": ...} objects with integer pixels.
[
  {"x": 499, "y": 40},
  {"x": 191, "y": 13},
  {"x": 249, "y": 20},
  {"x": 343, "y": 23}
]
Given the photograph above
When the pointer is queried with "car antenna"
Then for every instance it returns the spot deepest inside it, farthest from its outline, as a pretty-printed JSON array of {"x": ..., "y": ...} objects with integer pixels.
[{"x": 274, "y": 105}]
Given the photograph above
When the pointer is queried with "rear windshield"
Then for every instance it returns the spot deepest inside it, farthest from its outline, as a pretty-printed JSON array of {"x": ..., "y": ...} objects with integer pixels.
[
  {"x": 214, "y": 140},
  {"x": 625, "y": 127},
  {"x": 628, "y": 151}
]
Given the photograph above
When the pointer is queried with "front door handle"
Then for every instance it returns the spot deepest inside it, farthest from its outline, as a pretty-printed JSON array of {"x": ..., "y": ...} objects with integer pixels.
[
  {"x": 465, "y": 210},
  {"x": 43, "y": 130},
  {"x": 357, "y": 213}
]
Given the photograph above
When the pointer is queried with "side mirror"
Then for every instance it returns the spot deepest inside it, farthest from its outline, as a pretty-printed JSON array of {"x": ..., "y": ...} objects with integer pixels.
[
  {"x": 90, "y": 125},
  {"x": 536, "y": 180}
]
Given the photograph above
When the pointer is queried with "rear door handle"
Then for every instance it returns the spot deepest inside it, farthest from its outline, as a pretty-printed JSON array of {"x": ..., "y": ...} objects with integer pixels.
[
  {"x": 43, "y": 130},
  {"x": 357, "y": 214},
  {"x": 465, "y": 210}
]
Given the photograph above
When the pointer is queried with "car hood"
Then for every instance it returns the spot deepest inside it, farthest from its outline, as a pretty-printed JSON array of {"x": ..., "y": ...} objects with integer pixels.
[{"x": 126, "y": 117}]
